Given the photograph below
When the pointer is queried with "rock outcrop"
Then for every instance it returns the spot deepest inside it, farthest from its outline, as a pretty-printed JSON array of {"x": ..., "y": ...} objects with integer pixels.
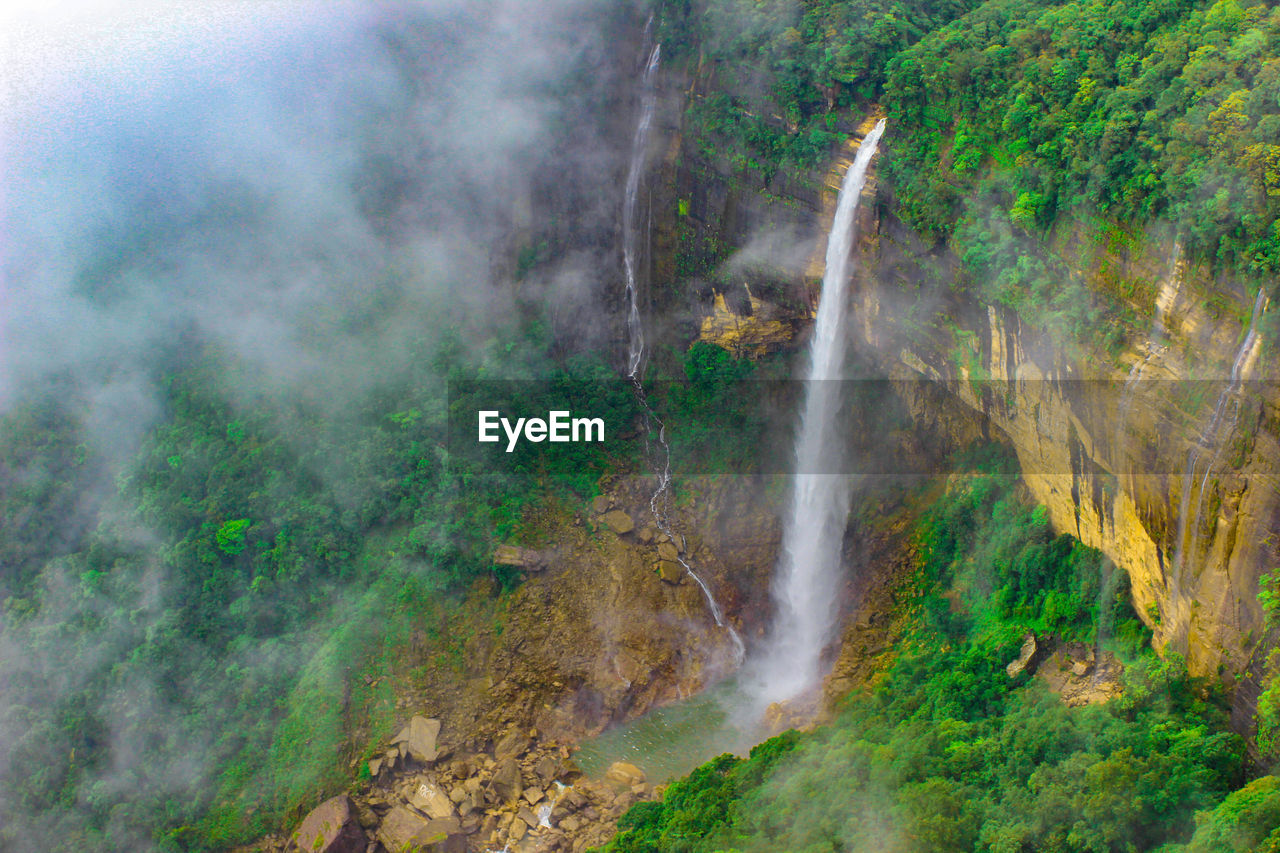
[{"x": 1121, "y": 464}]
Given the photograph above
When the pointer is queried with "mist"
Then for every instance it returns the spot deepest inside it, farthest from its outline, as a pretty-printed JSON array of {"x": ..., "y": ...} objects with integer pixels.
[{"x": 296, "y": 201}]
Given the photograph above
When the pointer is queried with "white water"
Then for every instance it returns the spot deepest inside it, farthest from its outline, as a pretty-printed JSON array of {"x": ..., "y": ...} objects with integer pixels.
[
  {"x": 635, "y": 333},
  {"x": 808, "y": 581},
  {"x": 545, "y": 809}
]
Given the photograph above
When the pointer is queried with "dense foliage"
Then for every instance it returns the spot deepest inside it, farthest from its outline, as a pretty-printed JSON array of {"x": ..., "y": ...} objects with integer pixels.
[
  {"x": 948, "y": 753},
  {"x": 1018, "y": 117},
  {"x": 1014, "y": 124},
  {"x": 781, "y": 69},
  {"x": 237, "y": 594}
]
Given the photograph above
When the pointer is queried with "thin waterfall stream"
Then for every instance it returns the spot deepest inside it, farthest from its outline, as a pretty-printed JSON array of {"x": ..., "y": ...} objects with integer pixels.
[
  {"x": 1210, "y": 441},
  {"x": 661, "y": 456}
]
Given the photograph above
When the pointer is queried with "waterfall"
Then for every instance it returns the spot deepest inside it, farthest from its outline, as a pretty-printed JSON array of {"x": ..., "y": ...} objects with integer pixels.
[
  {"x": 807, "y": 584},
  {"x": 546, "y": 809},
  {"x": 1209, "y": 440},
  {"x": 635, "y": 333},
  {"x": 639, "y": 148},
  {"x": 1154, "y": 348}
]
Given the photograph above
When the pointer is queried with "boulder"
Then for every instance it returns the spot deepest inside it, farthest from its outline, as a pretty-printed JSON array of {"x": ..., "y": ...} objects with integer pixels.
[
  {"x": 1028, "y": 652},
  {"x": 600, "y": 504},
  {"x": 419, "y": 739},
  {"x": 530, "y": 819},
  {"x": 444, "y": 835},
  {"x": 548, "y": 769},
  {"x": 670, "y": 571},
  {"x": 506, "y": 784},
  {"x": 511, "y": 745},
  {"x": 514, "y": 555},
  {"x": 624, "y": 773},
  {"x": 619, "y": 522},
  {"x": 433, "y": 801},
  {"x": 400, "y": 829},
  {"x": 331, "y": 827},
  {"x": 667, "y": 551}
]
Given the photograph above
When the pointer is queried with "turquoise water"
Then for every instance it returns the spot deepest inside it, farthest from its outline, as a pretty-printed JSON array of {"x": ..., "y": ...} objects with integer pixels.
[{"x": 669, "y": 742}]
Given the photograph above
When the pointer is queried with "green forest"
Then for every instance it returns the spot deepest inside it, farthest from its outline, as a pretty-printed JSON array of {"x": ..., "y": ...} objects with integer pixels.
[{"x": 1016, "y": 125}]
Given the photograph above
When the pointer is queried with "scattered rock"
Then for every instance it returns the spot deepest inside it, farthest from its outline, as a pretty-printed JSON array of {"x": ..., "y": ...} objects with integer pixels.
[
  {"x": 619, "y": 522},
  {"x": 1017, "y": 667},
  {"x": 332, "y": 827},
  {"x": 600, "y": 504},
  {"x": 646, "y": 534},
  {"x": 624, "y": 773},
  {"x": 419, "y": 739},
  {"x": 532, "y": 795},
  {"x": 1080, "y": 677},
  {"x": 375, "y": 764},
  {"x": 530, "y": 819}
]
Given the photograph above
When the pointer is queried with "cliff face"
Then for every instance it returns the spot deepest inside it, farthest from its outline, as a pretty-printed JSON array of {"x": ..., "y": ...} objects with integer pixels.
[
  {"x": 1176, "y": 479},
  {"x": 1148, "y": 450}
]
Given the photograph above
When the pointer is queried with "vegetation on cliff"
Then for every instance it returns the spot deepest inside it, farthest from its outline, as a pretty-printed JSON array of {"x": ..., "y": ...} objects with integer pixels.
[
  {"x": 1012, "y": 123},
  {"x": 1018, "y": 118},
  {"x": 304, "y": 551}
]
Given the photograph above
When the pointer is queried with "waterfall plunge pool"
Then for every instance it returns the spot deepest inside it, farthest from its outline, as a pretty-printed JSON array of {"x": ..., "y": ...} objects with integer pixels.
[{"x": 670, "y": 741}]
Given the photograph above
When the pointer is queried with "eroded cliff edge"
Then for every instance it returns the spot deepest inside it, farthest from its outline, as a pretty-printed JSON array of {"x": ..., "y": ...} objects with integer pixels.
[{"x": 1159, "y": 447}]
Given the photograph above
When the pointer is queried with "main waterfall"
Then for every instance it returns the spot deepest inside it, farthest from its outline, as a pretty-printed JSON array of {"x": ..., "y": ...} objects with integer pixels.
[{"x": 807, "y": 584}]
